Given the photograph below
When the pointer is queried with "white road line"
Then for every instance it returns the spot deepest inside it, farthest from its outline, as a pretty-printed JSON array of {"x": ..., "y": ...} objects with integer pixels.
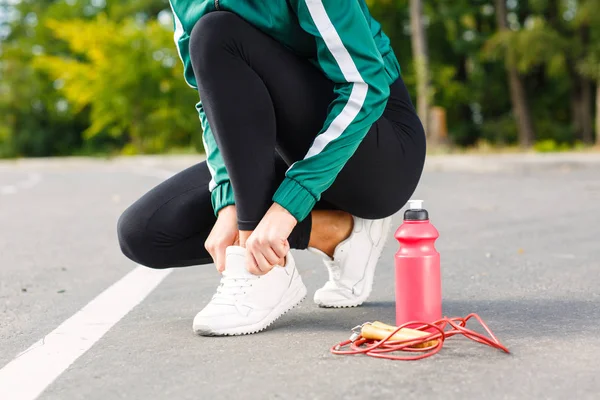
[
  {"x": 32, "y": 180},
  {"x": 8, "y": 189},
  {"x": 30, "y": 373}
]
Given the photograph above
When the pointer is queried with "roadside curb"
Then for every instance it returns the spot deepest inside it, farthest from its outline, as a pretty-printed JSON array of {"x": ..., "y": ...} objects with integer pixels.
[
  {"x": 511, "y": 162},
  {"x": 434, "y": 163}
]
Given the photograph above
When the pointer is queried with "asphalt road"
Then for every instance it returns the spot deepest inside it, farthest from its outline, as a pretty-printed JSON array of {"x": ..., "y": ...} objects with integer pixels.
[{"x": 519, "y": 243}]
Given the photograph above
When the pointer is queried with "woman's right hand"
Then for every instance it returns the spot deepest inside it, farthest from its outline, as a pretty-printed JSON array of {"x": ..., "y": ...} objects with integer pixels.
[{"x": 224, "y": 233}]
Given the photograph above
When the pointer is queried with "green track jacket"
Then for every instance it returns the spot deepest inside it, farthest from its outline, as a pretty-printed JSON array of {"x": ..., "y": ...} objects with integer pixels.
[{"x": 347, "y": 44}]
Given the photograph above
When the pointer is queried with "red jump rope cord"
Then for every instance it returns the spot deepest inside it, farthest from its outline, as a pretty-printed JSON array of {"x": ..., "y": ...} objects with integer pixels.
[{"x": 382, "y": 348}]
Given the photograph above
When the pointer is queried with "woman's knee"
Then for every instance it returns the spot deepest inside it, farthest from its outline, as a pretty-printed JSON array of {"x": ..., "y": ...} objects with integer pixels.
[
  {"x": 135, "y": 240},
  {"x": 209, "y": 35},
  {"x": 381, "y": 201}
]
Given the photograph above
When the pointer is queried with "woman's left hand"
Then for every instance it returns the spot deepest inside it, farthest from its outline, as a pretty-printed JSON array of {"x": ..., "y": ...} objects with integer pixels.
[{"x": 268, "y": 245}]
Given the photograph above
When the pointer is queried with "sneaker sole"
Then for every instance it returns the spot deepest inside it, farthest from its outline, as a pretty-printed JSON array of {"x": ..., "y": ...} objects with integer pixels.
[
  {"x": 370, "y": 274},
  {"x": 292, "y": 301}
]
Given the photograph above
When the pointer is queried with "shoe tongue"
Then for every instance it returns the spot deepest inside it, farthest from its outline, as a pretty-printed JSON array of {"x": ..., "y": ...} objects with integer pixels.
[
  {"x": 235, "y": 262},
  {"x": 319, "y": 253}
]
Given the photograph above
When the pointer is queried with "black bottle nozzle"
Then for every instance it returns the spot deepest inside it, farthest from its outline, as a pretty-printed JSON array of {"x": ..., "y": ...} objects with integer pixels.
[{"x": 415, "y": 211}]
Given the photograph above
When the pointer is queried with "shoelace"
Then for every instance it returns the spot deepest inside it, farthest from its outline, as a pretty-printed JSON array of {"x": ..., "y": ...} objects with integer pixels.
[
  {"x": 231, "y": 287},
  {"x": 335, "y": 275},
  {"x": 334, "y": 269}
]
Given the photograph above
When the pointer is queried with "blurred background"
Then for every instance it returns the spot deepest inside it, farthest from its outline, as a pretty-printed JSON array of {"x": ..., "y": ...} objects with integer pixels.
[{"x": 102, "y": 77}]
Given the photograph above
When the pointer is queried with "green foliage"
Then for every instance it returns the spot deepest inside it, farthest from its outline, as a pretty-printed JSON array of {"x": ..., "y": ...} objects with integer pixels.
[
  {"x": 96, "y": 77},
  {"x": 34, "y": 121},
  {"x": 537, "y": 45},
  {"x": 500, "y": 130},
  {"x": 552, "y": 146},
  {"x": 129, "y": 77},
  {"x": 80, "y": 79}
]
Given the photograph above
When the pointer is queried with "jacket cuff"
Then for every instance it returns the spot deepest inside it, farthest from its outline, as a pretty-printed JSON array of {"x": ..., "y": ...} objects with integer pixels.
[
  {"x": 295, "y": 198},
  {"x": 222, "y": 196}
]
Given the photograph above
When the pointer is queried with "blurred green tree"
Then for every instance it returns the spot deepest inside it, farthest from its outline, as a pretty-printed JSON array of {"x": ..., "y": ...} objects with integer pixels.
[
  {"x": 551, "y": 43},
  {"x": 40, "y": 119},
  {"x": 102, "y": 76},
  {"x": 36, "y": 120},
  {"x": 518, "y": 95},
  {"x": 129, "y": 76},
  {"x": 589, "y": 64}
]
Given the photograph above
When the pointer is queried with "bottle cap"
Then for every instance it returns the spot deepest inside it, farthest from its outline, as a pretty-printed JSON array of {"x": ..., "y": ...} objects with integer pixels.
[
  {"x": 415, "y": 211},
  {"x": 415, "y": 204}
]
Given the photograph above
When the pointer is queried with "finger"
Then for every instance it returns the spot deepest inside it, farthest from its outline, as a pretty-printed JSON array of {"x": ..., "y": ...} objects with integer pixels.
[
  {"x": 270, "y": 255},
  {"x": 251, "y": 264},
  {"x": 220, "y": 262},
  {"x": 281, "y": 248},
  {"x": 264, "y": 265},
  {"x": 211, "y": 251}
]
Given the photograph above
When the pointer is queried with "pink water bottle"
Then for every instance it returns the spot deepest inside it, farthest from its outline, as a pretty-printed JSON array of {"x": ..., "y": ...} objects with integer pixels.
[{"x": 418, "y": 279}]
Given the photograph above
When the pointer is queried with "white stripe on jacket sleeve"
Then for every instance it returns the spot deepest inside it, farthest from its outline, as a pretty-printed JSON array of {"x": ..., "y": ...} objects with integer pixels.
[{"x": 341, "y": 55}]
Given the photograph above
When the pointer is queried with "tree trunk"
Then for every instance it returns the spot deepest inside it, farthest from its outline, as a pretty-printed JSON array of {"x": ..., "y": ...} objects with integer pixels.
[
  {"x": 421, "y": 60},
  {"x": 517, "y": 88},
  {"x": 465, "y": 113},
  {"x": 587, "y": 116},
  {"x": 575, "y": 102},
  {"x": 598, "y": 113},
  {"x": 581, "y": 106}
]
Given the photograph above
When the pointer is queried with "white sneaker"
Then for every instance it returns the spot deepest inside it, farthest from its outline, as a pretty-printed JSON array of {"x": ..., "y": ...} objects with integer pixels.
[
  {"x": 353, "y": 266},
  {"x": 246, "y": 303}
]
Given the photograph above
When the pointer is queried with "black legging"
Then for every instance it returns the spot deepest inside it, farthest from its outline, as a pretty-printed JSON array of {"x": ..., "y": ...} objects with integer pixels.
[{"x": 265, "y": 105}]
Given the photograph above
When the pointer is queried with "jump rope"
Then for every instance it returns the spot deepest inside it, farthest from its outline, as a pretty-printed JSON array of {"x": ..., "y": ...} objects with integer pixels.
[{"x": 376, "y": 339}]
